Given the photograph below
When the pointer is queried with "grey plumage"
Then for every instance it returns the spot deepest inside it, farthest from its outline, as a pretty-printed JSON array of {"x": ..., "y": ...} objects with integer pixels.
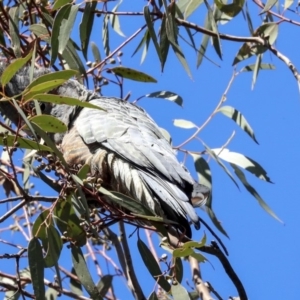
[{"x": 125, "y": 146}]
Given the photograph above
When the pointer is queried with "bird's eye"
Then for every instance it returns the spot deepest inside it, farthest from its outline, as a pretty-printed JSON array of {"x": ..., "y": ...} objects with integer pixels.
[{"x": 42, "y": 106}]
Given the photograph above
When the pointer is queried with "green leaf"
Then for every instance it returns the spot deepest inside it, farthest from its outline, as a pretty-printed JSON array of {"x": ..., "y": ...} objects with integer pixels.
[
  {"x": 239, "y": 173},
  {"x": 86, "y": 25},
  {"x": 232, "y": 9},
  {"x": 256, "y": 70},
  {"x": 204, "y": 42},
  {"x": 57, "y": 99},
  {"x": 42, "y": 88},
  {"x": 115, "y": 22},
  {"x": 268, "y": 31},
  {"x": 83, "y": 273},
  {"x": 214, "y": 219},
  {"x": 172, "y": 34},
  {"x": 239, "y": 119},
  {"x": 75, "y": 285},
  {"x": 200, "y": 258},
  {"x": 164, "y": 43},
  {"x": 59, "y": 3},
  {"x": 216, "y": 158},
  {"x": 84, "y": 170},
  {"x": 268, "y": 6},
  {"x": 182, "y": 252},
  {"x": 36, "y": 266},
  {"x": 53, "y": 76},
  {"x": 243, "y": 162},
  {"x": 153, "y": 296},
  {"x": 96, "y": 52},
  {"x": 72, "y": 59},
  {"x": 184, "y": 124},
  {"x": 167, "y": 95},
  {"x": 179, "y": 292},
  {"x": 216, "y": 40},
  {"x": 203, "y": 170},
  {"x": 41, "y": 31},
  {"x": 13, "y": 68},
  {"x": 49, "y": 123},
  {"x": 61, "y": 15},
  {"x": 105, "y": 35},
  {"x": 51, "y": 294},
  {"x": 68, "y": 222},
  {"x": 14, "y": 29},
  {"x": 178, "y": 269},
  {"x": 191, "y": 7},
  {"x": 66, "y": 28},
  {"x": 287, "y": 4},
  {"x": 152, "y": 265},
  {"x": 152, "y": 32},
  {"x": 54, "y": 246},
  {"x": 245, "y": 52},
  {"x": 10, "y": 140},
  {"x": 105, "y": 284},
  {"x": 262, "y": 66},
  {"x": 132, "y": 74}
]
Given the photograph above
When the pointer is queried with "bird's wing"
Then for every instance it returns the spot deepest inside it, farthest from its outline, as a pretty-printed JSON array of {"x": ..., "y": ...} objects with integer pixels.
[{"x": 129, "y": 132}]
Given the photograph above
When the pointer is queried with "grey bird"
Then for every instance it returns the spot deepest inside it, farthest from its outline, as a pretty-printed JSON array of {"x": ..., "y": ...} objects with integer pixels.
[{"x": 123, "y": 145}]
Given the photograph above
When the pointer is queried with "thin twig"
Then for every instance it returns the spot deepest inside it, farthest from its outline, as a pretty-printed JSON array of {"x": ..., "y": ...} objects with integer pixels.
[{"x": 132, "y": 279}]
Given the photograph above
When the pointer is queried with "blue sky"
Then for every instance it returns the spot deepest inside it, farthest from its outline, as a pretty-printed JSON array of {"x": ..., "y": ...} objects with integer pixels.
[{"x": 263, "y": 251}]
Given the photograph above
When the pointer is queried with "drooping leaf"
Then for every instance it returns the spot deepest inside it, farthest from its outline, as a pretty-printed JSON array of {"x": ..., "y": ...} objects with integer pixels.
[
  {"x": 204, "y": 42},
  {"x": 75, "y": 285},
  {"x": 152, "y": 32},
  {"x": 203, "y": 170},
  {"x": 72, "y": 59},
  {"x": 191, "y": 7},
  {"x": 239, "y": 119},
  {"x": 243, "y": 162},
  {"x": 86, "y": 25},
  {"x": 256, "y": 70},
  {"x": 67, "y": 27},
  {"x": 54, "y": 248},
  {"x": 268, "y": 5},
  {"x": 132, "y": 74},
  {"x": 216, "y": 40},
  {"x": 96, "y": 52},
  {"x": 61, "y": 15},
  {"x": 164, "y": 43},
  {"x": 178, "y": 269},
  {"x": 83, "y": 273},
  {"x": 105, "y": 35},
  {"x": 216, "y": 158},
  {"x": 36, "y": 266},
  {"x": 115, "y": 22},
  {"x": 68, "y": 222},
  {"x": 152, "y": 265},
  {"x": 14, "y": 29},
  {"x": 239, "y": 173},
  {"x": 167, "y": 95},
  {"x": 105, "y": 284}
]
